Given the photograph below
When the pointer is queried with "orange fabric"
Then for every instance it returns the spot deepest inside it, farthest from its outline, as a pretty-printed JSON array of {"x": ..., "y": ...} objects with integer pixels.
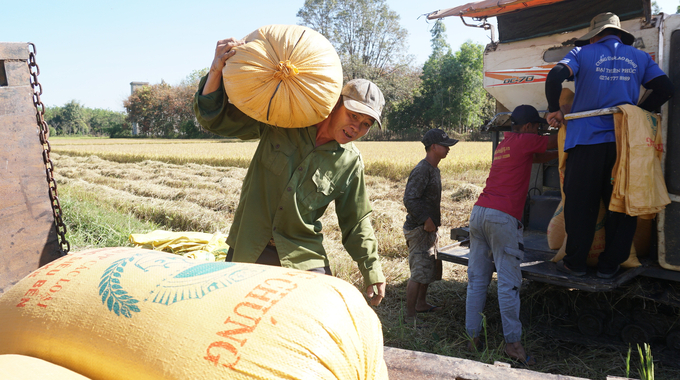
[{"x": 489, "y": 8}]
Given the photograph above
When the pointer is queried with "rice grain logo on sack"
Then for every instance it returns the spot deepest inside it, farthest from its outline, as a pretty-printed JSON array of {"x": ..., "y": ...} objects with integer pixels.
[
  {"x": 63, "y": 271},
  {"x": 186, "y": 283}
]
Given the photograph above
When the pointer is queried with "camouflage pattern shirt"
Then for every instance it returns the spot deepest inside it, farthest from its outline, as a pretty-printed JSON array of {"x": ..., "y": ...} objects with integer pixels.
[{"x": 423, "y": 195}]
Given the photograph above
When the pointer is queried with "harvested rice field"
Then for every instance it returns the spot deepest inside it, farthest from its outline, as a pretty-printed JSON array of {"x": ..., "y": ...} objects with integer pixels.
[{"x": 194, "y": 185}]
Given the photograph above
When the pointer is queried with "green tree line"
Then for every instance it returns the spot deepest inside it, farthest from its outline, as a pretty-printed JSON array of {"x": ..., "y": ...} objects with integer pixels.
[
  {"x": 446, "y": 92},
  {"x": 158, "y": 110},
  {"x": 73, "y": 119},
  {"x": 166, "y": 111},
  {"x": 451, "y": 95}
]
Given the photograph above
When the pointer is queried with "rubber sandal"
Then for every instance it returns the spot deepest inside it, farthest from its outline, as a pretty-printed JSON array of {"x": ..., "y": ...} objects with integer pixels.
[
  {"x": 529, "y": 361},
  {"x": 608, "y": 275},
  {"x": 432, "y": 309}
]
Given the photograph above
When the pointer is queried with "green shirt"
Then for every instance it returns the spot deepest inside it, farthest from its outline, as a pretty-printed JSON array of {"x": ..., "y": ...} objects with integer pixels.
[{"x": 287, "y": 189}]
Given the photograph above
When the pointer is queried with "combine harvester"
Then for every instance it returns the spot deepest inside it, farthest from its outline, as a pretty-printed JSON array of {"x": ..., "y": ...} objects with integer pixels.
[{"x": 532, "y": 37}]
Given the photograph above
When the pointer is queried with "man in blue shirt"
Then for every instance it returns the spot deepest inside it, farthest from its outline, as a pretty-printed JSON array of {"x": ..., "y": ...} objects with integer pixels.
[{"x": 607, "y": 72}]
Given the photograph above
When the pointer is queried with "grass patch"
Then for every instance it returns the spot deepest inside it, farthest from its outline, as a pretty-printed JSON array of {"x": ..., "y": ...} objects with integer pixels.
[{"x": 91, "y": 224}]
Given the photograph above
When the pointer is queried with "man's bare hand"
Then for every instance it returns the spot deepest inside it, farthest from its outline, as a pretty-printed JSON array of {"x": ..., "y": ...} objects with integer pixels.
[
  {"x": 555, "y": 119},
  {"x": 223, "y": 51},
  {"x": 376, "y": 298},
  {"x": 429, "y": 226}
]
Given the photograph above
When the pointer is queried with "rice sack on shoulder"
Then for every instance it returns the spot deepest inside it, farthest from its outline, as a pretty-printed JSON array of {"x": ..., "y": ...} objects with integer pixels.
[{"x": 288, "y": 76}]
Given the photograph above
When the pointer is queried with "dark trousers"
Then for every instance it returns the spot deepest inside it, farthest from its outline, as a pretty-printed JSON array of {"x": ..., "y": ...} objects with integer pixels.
[
  {"x": 587, "y": 180},
  {"x": 270, "y": 256}
]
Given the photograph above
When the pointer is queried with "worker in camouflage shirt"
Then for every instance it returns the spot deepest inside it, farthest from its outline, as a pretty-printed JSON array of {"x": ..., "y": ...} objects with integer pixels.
[{"x": 422, "y": 199}]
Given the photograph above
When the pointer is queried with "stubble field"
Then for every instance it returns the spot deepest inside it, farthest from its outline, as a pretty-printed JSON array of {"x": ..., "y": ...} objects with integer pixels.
[{"x": 194, "y": 185}]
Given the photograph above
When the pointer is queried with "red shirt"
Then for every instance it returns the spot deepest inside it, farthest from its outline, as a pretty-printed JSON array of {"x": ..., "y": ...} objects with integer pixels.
[{"x": 508, "y": 182}]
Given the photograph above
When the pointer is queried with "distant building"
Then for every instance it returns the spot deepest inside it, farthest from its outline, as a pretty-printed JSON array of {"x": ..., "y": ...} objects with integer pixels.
[{"x": 134, "y": 86}]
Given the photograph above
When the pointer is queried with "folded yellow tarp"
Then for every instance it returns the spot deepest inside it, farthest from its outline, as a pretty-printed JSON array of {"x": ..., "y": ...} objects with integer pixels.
[
  {"x": 639, "y": 186},
  {"x": 195, "y": 245}
]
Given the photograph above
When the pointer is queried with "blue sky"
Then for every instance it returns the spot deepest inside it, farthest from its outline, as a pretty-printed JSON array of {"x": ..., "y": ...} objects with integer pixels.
[{"x": 91, "y": 50}]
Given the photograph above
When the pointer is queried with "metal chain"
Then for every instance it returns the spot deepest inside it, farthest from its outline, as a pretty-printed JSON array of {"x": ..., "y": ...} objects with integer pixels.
[{"x": 44, "y": 133}]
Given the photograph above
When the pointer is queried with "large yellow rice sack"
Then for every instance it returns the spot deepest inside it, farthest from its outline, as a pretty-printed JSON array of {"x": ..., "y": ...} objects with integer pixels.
[
  {"x": 289, "y": 76},
  {"x": 20, "y": 367},
  {"x": 127, "y": 313}
]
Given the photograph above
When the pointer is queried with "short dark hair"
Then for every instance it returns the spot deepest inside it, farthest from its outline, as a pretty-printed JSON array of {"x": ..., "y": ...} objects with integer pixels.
[{"x": 427, "y": 148}]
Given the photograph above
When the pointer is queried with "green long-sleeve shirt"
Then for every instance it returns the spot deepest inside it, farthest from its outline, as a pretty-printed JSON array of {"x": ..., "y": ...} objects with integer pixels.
[{"x": 287, "y": 189}]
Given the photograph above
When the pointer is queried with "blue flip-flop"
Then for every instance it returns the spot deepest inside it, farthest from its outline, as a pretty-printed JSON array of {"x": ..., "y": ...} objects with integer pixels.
[{"x": 529, "y": 361}]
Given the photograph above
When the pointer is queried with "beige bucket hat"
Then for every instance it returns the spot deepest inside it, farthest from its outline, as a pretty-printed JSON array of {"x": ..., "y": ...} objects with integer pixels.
[{"x": 605, "y": 21}]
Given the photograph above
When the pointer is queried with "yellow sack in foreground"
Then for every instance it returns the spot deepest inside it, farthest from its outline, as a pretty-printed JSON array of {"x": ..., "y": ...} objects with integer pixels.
[
  {"x": 285, "y": 75},
  {"x": 194, "y": 245},
  {"x": 19, "y": 367},
  {"x": 126, "y": 313}
]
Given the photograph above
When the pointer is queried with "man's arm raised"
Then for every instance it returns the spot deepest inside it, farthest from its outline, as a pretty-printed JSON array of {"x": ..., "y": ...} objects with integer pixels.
[{"x": 223, "y": 51}]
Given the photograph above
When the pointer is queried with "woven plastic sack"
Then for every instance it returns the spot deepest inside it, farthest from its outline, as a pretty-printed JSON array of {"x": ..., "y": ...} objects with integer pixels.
[
  {"x": 20, "y": 367},
  {"x": 639, "y": 186},
  {"x": 285, "y": 75},
  {"x": 127, "y": 313}
]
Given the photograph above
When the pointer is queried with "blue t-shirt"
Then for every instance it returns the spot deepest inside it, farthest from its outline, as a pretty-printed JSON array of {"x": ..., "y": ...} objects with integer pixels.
[{"x": 607, "y": 73}]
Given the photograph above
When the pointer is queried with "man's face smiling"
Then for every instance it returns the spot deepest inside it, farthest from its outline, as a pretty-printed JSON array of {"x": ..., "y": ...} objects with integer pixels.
[{"x": 348, "y": 125}]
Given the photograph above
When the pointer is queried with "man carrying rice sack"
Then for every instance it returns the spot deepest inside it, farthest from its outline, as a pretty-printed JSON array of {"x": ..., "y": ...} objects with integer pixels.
[{"x": 295, "y": 174}]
